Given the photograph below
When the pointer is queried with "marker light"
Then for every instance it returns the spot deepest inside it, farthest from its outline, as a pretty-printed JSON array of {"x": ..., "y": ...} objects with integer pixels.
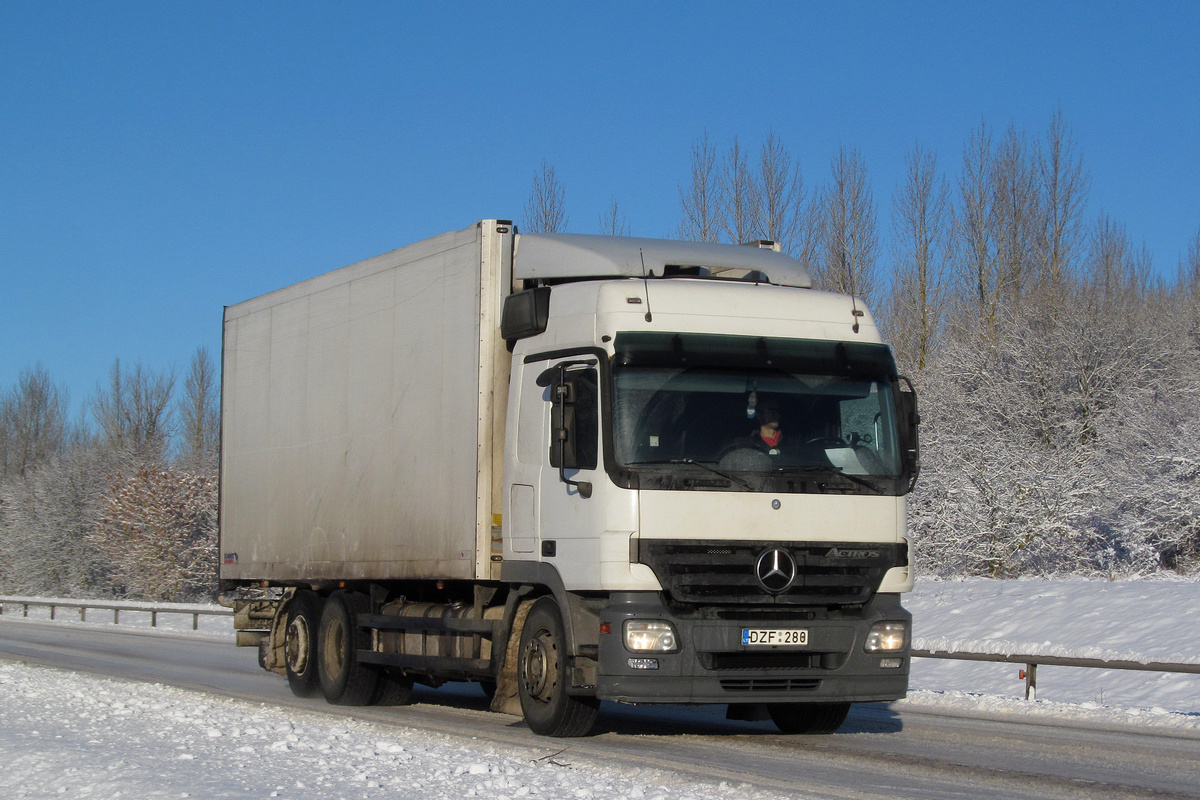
[
  {"x": 658, "y": 636},
  {"x": 886, "y": 637}
]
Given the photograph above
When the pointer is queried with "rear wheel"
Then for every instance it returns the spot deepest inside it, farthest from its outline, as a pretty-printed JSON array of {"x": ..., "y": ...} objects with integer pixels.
[
  {"x": 808, "y": 718},
  {"x": 344, "y": 680},
  {"x": 300, "y": 644},
  {"x": 394, "y": 689},
  {"x": 542, "y": 679}
]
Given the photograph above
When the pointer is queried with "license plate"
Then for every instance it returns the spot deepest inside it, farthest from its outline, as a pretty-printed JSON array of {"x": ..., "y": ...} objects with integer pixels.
[{"x": 775, "y": 637}]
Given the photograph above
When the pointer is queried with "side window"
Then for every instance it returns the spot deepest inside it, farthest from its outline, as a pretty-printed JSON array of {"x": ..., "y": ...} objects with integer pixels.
[
  {"x": 587, "y": 419},
  {"x": 575, "y": 419}
]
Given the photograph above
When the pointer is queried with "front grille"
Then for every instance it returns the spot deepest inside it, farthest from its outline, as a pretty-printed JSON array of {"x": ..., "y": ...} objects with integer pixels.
[
  {"x": 770, "y": 684},
  {"x": 828, "y": 573},
  {"x": 732, "y": 661}
]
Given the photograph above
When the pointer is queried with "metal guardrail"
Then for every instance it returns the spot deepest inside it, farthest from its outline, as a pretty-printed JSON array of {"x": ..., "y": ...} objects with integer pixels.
[
  {"x": 1033, "y": 661},
  {"x": 153, "y": 609}
]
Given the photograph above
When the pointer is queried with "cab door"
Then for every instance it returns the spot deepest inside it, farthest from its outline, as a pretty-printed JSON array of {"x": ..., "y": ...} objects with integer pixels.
[
  {"x": 572, "y": 474},
  {"x": 556, "y": 469}
]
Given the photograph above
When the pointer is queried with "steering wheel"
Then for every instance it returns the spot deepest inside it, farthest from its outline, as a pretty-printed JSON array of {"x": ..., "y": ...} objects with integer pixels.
[{"x": 825, "y": 442}]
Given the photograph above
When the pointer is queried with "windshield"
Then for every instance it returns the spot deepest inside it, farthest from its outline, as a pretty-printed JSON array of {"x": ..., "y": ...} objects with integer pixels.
[{"x": 744, "y": 424}]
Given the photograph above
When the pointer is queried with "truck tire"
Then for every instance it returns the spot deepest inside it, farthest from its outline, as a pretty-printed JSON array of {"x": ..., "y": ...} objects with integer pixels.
[
  {"x": 300, "y": 644},
  {"x": 394, "y": 689},
  {"x": 808, "y": 718},
  {"x": 344, "y": 681},
  {"x": 542, "y": 677}
]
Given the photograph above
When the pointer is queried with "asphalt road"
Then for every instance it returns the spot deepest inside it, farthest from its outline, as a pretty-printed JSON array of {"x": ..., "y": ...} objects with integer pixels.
[{"x": 879, "y": 753}]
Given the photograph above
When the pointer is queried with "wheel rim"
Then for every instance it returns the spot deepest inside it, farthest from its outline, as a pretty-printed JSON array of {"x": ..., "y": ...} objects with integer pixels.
[
  {"x": 540, "y": 667},
  {"x": 298, "y": 645},
  {"x": 335, "y": 648}
]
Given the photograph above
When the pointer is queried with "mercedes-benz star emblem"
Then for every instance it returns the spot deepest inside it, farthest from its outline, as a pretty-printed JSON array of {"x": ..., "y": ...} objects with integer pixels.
[{"x": 775, "y": 570}]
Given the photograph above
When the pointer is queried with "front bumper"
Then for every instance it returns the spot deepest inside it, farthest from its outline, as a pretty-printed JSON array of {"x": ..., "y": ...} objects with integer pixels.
[{"x": 713, "y": 666}]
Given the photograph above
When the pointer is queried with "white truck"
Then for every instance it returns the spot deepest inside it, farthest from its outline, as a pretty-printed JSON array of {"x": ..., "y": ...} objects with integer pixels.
[{"x": 570, "y": 468}]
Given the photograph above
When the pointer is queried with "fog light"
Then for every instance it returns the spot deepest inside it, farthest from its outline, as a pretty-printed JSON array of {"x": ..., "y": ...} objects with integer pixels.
[
  {"x": 642, "y": 663},
  {"x": 653, "y": 635},
  {"x": 886, "y": 637},
  {"x": 890, "y": 663}
]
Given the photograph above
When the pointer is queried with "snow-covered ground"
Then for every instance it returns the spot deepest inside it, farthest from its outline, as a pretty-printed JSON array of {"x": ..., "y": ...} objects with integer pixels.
[
  {"x": 1142, "y": 621},
  {"x": 75, "y": 735},
  {"x": 67, "y": 734}
]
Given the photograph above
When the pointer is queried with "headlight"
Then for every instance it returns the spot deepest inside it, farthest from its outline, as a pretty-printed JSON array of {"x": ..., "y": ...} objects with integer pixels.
[
  {"x": 886, "y": 637},
  {"x": 650, "y": 636}
]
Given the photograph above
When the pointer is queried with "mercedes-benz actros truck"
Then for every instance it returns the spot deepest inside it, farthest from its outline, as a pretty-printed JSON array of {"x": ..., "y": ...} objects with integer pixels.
[{"x": 572, "y": 469}]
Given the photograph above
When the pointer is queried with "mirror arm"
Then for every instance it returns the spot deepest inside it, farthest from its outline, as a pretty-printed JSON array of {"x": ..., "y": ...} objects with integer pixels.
[{"x": 583, "y": 487}]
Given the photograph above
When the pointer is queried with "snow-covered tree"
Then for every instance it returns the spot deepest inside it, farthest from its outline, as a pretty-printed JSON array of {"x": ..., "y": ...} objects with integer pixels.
[{"x": 157, "y": 529}]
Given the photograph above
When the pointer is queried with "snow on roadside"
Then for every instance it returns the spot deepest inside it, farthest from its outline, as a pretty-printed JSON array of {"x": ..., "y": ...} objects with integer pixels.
[
  {"x": 65, "y": 734},
  {"x": 1141, "y": 621}
]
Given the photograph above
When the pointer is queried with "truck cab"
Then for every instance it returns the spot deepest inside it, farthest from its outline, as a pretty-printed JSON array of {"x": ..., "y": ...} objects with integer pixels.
[{"x": 694, "y": 560}]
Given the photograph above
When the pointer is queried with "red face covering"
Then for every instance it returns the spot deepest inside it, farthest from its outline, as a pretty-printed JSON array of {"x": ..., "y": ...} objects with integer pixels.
[{"x": 772, "y": 440}]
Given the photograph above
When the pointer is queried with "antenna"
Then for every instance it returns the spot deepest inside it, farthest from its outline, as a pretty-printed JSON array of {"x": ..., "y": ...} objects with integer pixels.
[
  {"x": 646, "y": 285},
  {"x": 854, "y": 312}
]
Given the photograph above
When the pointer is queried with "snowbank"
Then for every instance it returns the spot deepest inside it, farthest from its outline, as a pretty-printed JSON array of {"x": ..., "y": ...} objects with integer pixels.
[
  {"x": 66, "y": 734},
  {"x": 1142, "y": 621}
]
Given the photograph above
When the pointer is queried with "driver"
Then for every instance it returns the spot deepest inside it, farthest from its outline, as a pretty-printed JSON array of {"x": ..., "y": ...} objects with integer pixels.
[
  {"x": 770, "y": 429},
  {"x": 761, "y": 449}
]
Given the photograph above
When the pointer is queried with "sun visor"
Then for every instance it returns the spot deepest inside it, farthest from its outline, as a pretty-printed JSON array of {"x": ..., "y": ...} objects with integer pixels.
[{"x": 573, "y": 256}]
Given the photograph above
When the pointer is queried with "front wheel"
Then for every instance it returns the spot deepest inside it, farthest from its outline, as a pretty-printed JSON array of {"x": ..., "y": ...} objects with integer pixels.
[
  {"x": 808, "y": 718},
  {"x": 542, "y": 677}
]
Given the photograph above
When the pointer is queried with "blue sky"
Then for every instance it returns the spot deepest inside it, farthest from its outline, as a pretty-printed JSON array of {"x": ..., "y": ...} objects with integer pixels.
[{"x": 161, "y": 160}]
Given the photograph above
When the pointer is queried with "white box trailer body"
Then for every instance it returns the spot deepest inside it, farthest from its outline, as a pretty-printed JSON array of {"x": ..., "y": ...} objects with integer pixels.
[
  {"x": 359, "y": 415},
  {"x": 535, "y": 461}
]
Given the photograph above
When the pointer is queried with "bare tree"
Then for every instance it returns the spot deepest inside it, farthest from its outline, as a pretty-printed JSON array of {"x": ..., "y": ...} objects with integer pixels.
[
  {"x": 1014, "y": 214},
  {"x": 133, "y": 412},
  {"x": 1063, "y": 186},
  {"x": 1118, "y": 274},
  {"x": 701, "y": 205},
  {"x": 921, "y": 221},
  {"x": 1189, "y": 268},
  {"x": 545, "y": 211},
  {"x": 742, "y": 201},
  {"x": 33, "y": 422},
  {"x": 613, "y": 222},
  {"x": 781, "y": 186},
  {"x": 977, "y": 262},
  {"x": 199, "y": 416},
  {"x": 848, "y": 229}
]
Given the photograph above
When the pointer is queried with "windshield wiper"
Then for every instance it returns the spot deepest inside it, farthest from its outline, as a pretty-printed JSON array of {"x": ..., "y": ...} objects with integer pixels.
[
  {"x": 701, "y": 464},
  {"x": 837, "y": 470}
]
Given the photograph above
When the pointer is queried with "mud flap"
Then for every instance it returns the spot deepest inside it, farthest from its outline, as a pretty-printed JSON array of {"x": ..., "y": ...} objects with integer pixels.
[
  {"x": 507, "y": 700},
  {"x": 270, "y": 648}
]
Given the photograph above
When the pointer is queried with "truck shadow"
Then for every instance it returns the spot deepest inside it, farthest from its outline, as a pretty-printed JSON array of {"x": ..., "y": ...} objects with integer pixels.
[{"x": 667, "y": 720}]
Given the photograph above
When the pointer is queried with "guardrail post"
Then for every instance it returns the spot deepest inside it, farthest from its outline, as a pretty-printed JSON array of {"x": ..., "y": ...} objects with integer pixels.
[
  {"x": 1030, "y": 676},
  {"x": 153, "y": 619},
  {"x": 195, "y": 622},
  {"x": 52, "y": 611},
  {"x": 116, "y": 616},
  {"x": 83, "y": 613}
]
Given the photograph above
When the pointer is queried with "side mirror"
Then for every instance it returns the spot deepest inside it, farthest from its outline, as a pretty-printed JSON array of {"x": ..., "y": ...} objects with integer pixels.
[
  {"x": 525, "y": 314},
  {"x": 564, "y": 423}
]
